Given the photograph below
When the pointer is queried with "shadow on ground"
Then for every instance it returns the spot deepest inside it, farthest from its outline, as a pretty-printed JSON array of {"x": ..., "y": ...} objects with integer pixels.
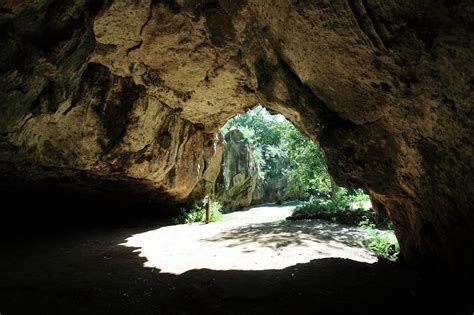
[
  {"x": 87, "y": 273},
  {"x": 282, "y": 234}
]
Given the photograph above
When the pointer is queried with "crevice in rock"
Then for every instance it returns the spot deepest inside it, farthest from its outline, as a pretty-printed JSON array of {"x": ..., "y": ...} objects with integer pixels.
[
  {"x": 219, "y": 23},
  {"x": 379, "y": 27},
  {"x": 27, "y": 119},
  {"x": 365, "y": 23},
  {"x": 140, "y": 43},
  {"x": 137, "y": 46}
]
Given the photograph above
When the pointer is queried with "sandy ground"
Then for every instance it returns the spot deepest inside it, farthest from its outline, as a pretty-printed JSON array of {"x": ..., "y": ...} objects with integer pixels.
[
  {"x": 256, "y": 239},
  {"x": 83, "y": 270}
]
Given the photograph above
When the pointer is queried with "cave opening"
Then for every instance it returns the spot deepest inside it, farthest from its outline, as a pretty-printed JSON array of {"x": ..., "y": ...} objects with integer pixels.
[
  {"x": 272, "y": 205},
  {"x": 108, "y": 116}
]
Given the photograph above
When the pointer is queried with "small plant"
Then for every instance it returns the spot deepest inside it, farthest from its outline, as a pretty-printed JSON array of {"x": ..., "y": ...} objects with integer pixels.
[
  {"x": 383, "y": 243},
  {"x": 281, "y": 222},
  {"x": 335, "y": 210},
  {"x": 367, "y": 224},
  {"x": 198, "y": 214}
]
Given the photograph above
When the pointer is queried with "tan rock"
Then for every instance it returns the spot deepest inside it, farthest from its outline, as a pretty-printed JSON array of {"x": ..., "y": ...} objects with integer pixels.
[{"x": 136, "y": 89}]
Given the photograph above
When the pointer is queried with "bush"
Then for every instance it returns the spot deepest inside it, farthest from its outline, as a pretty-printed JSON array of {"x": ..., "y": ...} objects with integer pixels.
[
  {"x": 198, "y": 214},
  {"x": 383, "y": 243},
  {"x": 336, "y": 210},
  {"x": 357, "y": 195}
]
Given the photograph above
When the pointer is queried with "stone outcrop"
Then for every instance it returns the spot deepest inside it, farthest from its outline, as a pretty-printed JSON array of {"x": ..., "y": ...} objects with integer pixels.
[
  {"x": 233, "y": 179},
  {"x": 136, "y": 90},
  {"x": 275, "y": 190},
  {"x": 275, "y": 186},
  {"x": 235, "y": 185},
  {"x": 213, "y": 169}
]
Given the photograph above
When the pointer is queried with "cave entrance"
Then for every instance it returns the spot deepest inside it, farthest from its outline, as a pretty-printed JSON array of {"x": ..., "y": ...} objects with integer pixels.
[
  {"x": 274, "y": 205},
  {"x": 266, "y": 159},
  {"x": 286, "y": 164}
]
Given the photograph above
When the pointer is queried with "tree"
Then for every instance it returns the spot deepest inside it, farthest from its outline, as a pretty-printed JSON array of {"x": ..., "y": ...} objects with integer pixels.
[
  {"x": 263, "y": 130},
  {"x": 258, "y": 126},
  {"x": 309, "y": 168},
  {"x": 282, "y": 149}
]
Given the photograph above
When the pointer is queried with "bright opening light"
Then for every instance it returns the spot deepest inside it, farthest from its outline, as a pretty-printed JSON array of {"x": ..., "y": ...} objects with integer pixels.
[{"x": 258, "y": 239}]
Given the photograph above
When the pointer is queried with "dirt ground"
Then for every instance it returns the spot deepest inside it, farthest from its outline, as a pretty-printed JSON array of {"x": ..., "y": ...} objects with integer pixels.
[
  {"x": 257, "y": 239},
  {"x": 247, "y": 264}
]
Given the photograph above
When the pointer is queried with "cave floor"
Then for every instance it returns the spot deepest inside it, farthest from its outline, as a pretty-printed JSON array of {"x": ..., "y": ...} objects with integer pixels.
[
  {"x": 112, "y": 270},
  {"x": 255, "y": 239}
]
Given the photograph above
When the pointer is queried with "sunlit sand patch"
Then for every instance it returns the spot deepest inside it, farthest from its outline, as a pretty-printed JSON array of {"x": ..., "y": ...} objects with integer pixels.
[{"x": 258, "y": 239}]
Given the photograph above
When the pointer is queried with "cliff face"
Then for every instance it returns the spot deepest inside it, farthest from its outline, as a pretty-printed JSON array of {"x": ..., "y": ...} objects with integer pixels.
[
  {"x": 232, "y": 176},
  {"x": 275, "y": 190},
  {"x": 275, "y": 186},
  {"x": 235, "y": 185},
  {"x": 135, "y": 90},
  {"x": 62, "y": 110}
]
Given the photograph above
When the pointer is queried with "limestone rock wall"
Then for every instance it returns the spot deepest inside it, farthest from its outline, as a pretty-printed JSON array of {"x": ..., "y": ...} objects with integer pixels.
[
  {"x": 275, "y": 185},
  {"x": 386, "y": 92},
  {"x": 213, "y": 169},
  {"x": 137, "y": 89},
  {"x": 275, "y": 190},
  {"x": 235, "y": 185},
  {"x": 232, "y": 177}
]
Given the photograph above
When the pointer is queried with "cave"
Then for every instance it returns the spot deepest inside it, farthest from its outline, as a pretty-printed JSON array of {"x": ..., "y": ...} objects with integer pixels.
[{"x": 109, "y": 112}]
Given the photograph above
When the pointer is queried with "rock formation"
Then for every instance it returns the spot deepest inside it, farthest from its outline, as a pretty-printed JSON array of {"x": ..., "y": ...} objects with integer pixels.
[
  {"x": 275, "y": 186},
  {"x": 235, "y": 185},
  {"x": 233, "y": 179},
  {"x": 136, "y": 90},
  {"x": 213, "y": 169}
]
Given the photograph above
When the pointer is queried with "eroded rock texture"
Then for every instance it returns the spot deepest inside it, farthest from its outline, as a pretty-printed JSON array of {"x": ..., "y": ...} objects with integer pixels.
[
  {"x": 237, "y": 180},
  {"x": 137, "y": 89},
  {"x": 274, "y": 185},
  {"x": 233, "y": 179}
]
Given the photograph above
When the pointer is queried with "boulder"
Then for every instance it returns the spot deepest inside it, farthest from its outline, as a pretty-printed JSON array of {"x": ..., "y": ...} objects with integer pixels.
[{"x": 238, "y": 176}]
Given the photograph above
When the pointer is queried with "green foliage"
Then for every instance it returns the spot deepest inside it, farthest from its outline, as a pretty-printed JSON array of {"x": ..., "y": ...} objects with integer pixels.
[
  {"x": 280, "y": 149},
  {"x": 257, "y": 125},
  {"x": 358, "y": 195},
  {"x": 337, "y": 209},
  {"x": 309, "y": 169},
  {"x": 198, "y": 214},
  {"x": 367, "y": 224},
  {"x": 264, "y": 131},
  {"x": 383, "y": 243}
]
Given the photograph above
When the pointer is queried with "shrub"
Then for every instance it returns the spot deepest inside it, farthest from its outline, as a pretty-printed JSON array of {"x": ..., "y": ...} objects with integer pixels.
[
  {"x": 383, "y": 243},
  {"x": 198, "y": 214},
  {"x": 337, "y": 210},
  {"x": 357, "y": 195}
]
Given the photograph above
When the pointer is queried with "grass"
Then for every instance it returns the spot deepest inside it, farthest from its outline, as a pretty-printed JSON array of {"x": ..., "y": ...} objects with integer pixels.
[{"x": 198, "y": 214}]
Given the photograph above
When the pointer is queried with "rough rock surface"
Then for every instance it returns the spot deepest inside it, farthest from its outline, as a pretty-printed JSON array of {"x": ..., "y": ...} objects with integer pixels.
[
  {"x": 213, "y": 168},
  {"x": 235, "y": 185},
  {"x": 136, "y": 90},
  {"x": 277, "y": 189},
  {"x": 276, "y": 186},
  {"x": 232, "y": 175}
]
